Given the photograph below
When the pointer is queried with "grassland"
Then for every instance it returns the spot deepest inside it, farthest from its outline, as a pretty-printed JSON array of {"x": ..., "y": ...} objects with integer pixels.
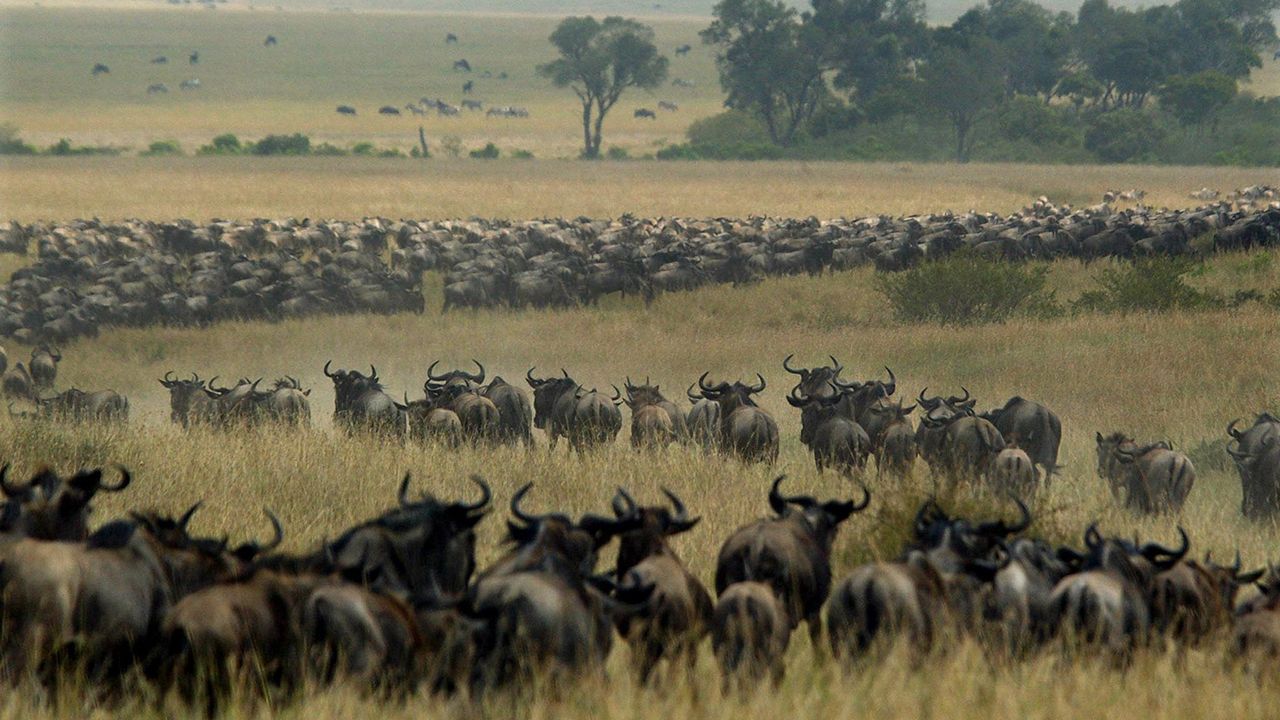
[{"x": 1178, "y": 377}]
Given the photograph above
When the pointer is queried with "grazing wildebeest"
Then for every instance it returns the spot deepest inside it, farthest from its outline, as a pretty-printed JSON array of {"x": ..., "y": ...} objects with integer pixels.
[
  {"x": 1036, "y": 428},
  {"x": 1260, "y": 493},
  {"x": 44, "y": 366},
  {"x": 668, "y": 106},
  {"x": 472, "y": 105},
  {"x": 76, "y": 405},
  {"x": 270, "y": 41},
  {"x": 750, "y": 632},
  {"x": 646, "y": 113},
  {"x": 672, "y": 624},
  {"x": 160, "y": 60},
  {"x": 388, "y": 110},
  {"x": 100, "y": 69},
  {"x": 450, "y": 39},
  {"x": 684, "y": 49},
  {"x": 462, "y": 65},
  {"x": 468, "y": 86},
  {"x": 1151, "y": 479},
  {"x": 194, "y": 57},
  {"x": 157, "y": 88},
  {"x": 562, "y": 407},
  {"x": 746, "y": 430},
  {"x": 359, "y": 403},
  {"x": 346, "y": 110},
  {"x": 790, "y": 552}
]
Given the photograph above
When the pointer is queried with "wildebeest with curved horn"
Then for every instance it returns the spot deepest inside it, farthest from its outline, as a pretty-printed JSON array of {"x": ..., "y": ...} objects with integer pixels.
[
  {"x": 655, "y": 421},
  {"x": 790, "y": 552},
  {"x": 563, "y": 408},
  {"x": 77, "y": 405},
  {"x": 815, "y": 382},
  {"x": 359, "y": 403},
  {"x": 931, "y": 432},
  {"x": 515, "y": 411},
  {"x": 1036, "y": 428},
  {"x": 188, "y": 401},
  {"x": 49, "y": 507},
  {"x": 44, "y": 366},
  {"x": 746, "y": 430},
  {"x": 1260, "y": 495},
  {"x": 1152, "y": 478},
  {"x": 288, "y": 402},
  {"x": 834, "y": 439},
  {"x": 649, "y": 394},
  {"x": 703, "y": 420}
]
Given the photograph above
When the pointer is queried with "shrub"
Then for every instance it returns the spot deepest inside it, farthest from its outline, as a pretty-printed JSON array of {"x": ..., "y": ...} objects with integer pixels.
[
  {"x": 1123, "y": 135},
  {"x": 390, "y": 153},
  {"x": 328, "y": 150},
  {"x": 521, "y": 154},
  {"x": 1025, "y": 118},
  {"x": 966, "y": 289},
  {"x": 362, "y": 148},
  {"x": 617, "y": 153},
  {"x": 162, "y": 147},
  {"x": 64, "y": 147},
  {"x": 488, "y": 152},
  {"x": 1148, "y": 285},
  {"x": 225, "y": 144},
  {"x": 11, "y": 144},
  {"x": 452, "y": 145},
  {"x": 295, "y": 144}
]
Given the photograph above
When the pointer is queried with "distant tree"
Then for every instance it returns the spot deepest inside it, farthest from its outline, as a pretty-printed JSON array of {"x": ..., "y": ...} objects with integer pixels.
[
  {"x": 1196, "y": 99},
  {"x": 1123, "y": 50},
  {"x": 599, "y": 60},
  {"x": 771, "y": 62},
  {"x": 1032, "y": 46},
  {"x": 1123, "y": 135},
  {"x": 963, "y": 83},
  {"x": 870, "y": 43}
]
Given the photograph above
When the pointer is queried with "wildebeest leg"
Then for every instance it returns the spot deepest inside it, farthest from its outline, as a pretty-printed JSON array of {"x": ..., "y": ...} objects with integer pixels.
[{"x": 814, "y": 621}]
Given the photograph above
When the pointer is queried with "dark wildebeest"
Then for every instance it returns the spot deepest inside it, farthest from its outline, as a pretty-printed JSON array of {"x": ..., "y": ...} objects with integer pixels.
[
  {"x": 678, "y": 613},
  {"x": 100, "y": 69},
  {"x": 468, "y": 86},
  {"x": 835, "y": 440},
  {"x": 1194, "y": 599},
  {"x": 160, "y": 60},
  {"x": 655, "y": 420},
  {"x": 388, "y": 110},
  {"x": 703, "y": 420},
  {"x": 346, "y": 110},
  {"x": 746, "y": 430},
  {"x": 288, "y": 402},
  {"x": 1256, "y": 637},
  {"x": 867, "y": 403},
  {"x": 188, "y": 402},
  {"x": 44, "y": 366},
  {"x": 815, "y": 382},
  {"x": 462, "y": 65},
  {"x": 359, "y": 403},
  {"x": 450, "y": 39},
  {"x": 77, "y": 405},
  {"x": 1036, "y": 428},
  {"x": 791, "y": 552},
  {"x": 48, "y": 507},
  {"x": 683, "y": 49},
  {"x": 515, "y": 411},
  {"x": 428, "y": 421},
  {"x": 270, "y": 41},
  {"x": 646, "y": 113},
  {"x": 1108, "y": 602},
  {"x": 461, "y": 392},
  {"x": 194, "y": 57},
  {"x": 1260, "y": 494},
  {"x": 750, "y": 631},
  {"x": 931, "y": 433},
  {"x": 1151, "y": 478},
  {"x": 16, "y": 382},
  {"x": 562, "y": 407}
]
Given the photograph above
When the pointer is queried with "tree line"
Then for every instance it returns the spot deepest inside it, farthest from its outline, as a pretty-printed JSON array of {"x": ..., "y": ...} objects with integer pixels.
[{"x": 1111, "y": 80}]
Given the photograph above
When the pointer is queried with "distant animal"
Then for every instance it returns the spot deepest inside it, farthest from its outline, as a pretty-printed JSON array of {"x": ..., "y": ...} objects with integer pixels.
[
  {"x": 1205, "y": 194},
  {"x": 100, "y": 69},
  {"x": 684, "y": 49},
  {"x": 194, "y": 58},
  {"x": 157, "y": 88},
  {"x": 462, "y": 65},
  {"x": 159, "y": 60},
  {"x": 507, "y": 111},
  {"x": 388, "y": 110},
  {"x": 646, "y": 113},
  {"x": 270, "y": 41},
  {"x": 502, "y": 75},
  {"x": 192, "y": 84},
  {"x": 1134, "y": 195},
  {"x": 468, "y": 86},
  {"x": 451, "y": 39},
  {"x": 681, "y": 82},
  {"x": 668, "y": 106},
  {"x": 1276, "y": 56},
  {"x": 346, "y": 110},
  {"x": 472, "y": 105},
  {"x": 415, "y": 109},
  {"x": 444, "y": 108}
]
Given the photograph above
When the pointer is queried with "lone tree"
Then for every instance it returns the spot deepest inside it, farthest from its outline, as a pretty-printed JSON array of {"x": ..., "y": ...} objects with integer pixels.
[{"x": 598, "y": 61}]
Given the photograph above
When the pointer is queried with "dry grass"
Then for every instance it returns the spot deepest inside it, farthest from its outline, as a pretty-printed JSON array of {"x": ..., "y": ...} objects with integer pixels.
[
  {"x": 202, "y": 188},
  {"x": 1178, "y": 377}
]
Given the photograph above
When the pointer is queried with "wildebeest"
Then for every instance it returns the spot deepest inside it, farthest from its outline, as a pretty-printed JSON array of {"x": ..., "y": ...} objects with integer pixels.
[
  {"x": 100, "y": 69},
  {"x": 44, "y": 366},
  {"x": 791, "y": 552},
  {"x": 646, "y": 113},
  {"x": 78, "y": 405},
  {"x": 1150, "y": 479},
  {"x": 563, "y": 408},
  {"x": 1255, "y": 640},
  {"x": 157, "y": 89},
  {"x": 461, "y": 392},
  {"x": 668, "y": 106},
  {"x": 346, "y": 110},
  {"x": 188, "y": 402},
  {"x": 835, "y": 440},
  {"x": 931, "y": 432},
  {"x": 1259, "y": 481},
  {"x": 1194, "y": 599},
  {"x": 703, "y": 420},
  {"x": 288, "y": 402},
  {"x": 160, "y": 60},
  {"x": 746, "y": 430},
  {"x": 1012, "y": 472},
  {"x": 450, "y": 39},
  {"x": 672, "y": 624},
  {"x": 1036, "y": 428},
  {"x": 51, "y": 507},
  {"x": 655, "y": 420},
  {"x": 683, "y": 49},
  {"x": 462, "y": 65},
  {"x": 750, "y": 634},
  {"x": 194, "y": 57},
  {"x": 359, "y": 403},
  {"x": 388, "y": 110},
  {"x": 815, "y": 382},
  {"x": 515, "y": 411},
  {"x": 189, "y": 84},
  {"x": 884, "y": 602},
  {"x": 468, "y": 86},
  {"x": 270, "y": 41},
  {"x": 16, "y": 382}
]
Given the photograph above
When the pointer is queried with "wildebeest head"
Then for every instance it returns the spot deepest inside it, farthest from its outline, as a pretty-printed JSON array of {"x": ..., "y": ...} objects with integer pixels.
[
  {"x": 555, "y": 543},
  {"x": 656, "y": 524},
  {"x": 955, "y": 544},
  {"x": 639, "y": 396},
  {"x": 455, "y": 381},
  {"x": 49, "y": 507},
  {"x": 546, "y": 391},
  {"x": 865, "y": 394},
  {"x": 938, "y": 411},
  {"x": 823, "y": 517},
  {"x": 731, "y": 396},
  {"x": 814, "y": 411},
  {"x": 182, "y": 392},
  {"x": 348, "y": 385},
  {"x": 815, "y": 382},
  {"x": 1127, "y": 559}
]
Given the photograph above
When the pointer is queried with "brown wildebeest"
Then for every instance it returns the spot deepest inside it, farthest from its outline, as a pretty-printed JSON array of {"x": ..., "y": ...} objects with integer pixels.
[
  {"x": 746, "y": 430},
  {"x": 750, "y": 633}
]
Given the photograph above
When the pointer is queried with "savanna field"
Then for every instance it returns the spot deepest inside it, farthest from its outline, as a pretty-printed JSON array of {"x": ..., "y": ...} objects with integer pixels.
[{"x": 1179, "y": 376}]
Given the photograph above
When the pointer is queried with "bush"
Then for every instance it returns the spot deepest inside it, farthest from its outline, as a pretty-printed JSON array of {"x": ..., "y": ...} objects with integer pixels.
[
  {"x": 1149, "y": 285},
  {"x": 617, "y": 153},
  {"x": 521, "y": 154},
  {"x": 295, "y": 144},
  {"x": 1026, "y": 118},
  {"x": 966, "y": 289},
  {"x": 11, "y": 144},
  {"x": 64, "y": 148},
  {"x": 390, "y": 153},
  {"x": 162, "y": 147},
  {"x": 225, "y": 144},
  {"x": 452, "y": 145},
  {"x": 362, "y": 149},
  {"x": 1123, "y": 135},
  {"x": 488, "y": 152},
  {"x": 328, "y": 150}
]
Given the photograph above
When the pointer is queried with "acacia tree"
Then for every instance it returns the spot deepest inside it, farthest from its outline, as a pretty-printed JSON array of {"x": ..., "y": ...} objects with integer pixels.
[
  {"x": 598, "y": 61},
  {"x": 962, "y": 82}
]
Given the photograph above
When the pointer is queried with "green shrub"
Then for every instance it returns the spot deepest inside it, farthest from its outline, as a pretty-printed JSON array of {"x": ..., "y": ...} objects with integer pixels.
[
  {"x": 11, "y": 144},
  {"x": 488, "y": 152},
  {"x": 390, "y": 153},
  {"x": 1123, "y": 135},
  {"x": 328, "y": 150},
  {"x": 452, "y": 145},
  {"x": 1148, "y": 285},
  {"x": 966, "y": 289},
  {"x": 162, "y": 147},
  {"x": 521, "y": 154},
  {"x": 64, "y": 148},
  {"x": 617, "y": 153},
  {"x": 362, "y": 148},
  {"x": 295, "y": 144},
  {"x": 225, "y": 144}
]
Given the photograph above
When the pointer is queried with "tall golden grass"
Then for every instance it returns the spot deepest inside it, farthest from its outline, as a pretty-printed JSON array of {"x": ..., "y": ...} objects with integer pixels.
[{"x": 1181, "y": 377}]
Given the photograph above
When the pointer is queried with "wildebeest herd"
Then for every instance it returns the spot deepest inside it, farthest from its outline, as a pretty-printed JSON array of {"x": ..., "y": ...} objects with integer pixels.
[
  {"x": 92, "y": 274},
  {"x": 395, "y": 603}
]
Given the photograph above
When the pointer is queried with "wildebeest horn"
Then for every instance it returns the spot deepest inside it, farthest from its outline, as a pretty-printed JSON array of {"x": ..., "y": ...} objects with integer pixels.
[
  {"x": 1232, "y": 431},
  {"x": 623, "y": 504},
  {"x": 186, "y": 516},
  {"x": 960, "y": 400},
  {"x": 431, "y": 374},
  {"x": 1092, "y": 538},
  {"x": 891, "y": 386},
  {"x": 10, "y": 490},
  {"x": 1000, "y": 528},
  {"x": 921, "y": 397},
  {"x": 836, "y": 367},
  {"x": 167, "y": 381},
  {"x": 786, "y": 365},
  {"x": 125, "y": 479},
  {"x": 757, "y": 388},
  {"x": 403, "y": 493},
  {"x": 326, "y": 369},
  {"x": 486, "y": 494},
  {"x": 277, "y": 528},
  {"x": 866, "y": 498},
  {"x": 702, "y": 382},
  {"x": 617, "y": 394},
  {"x": 626, "y": 383},
  {"x": 776, "y": 500},
  {"x": 476, "y": 378},
  {"x": 373, "y": 372},
  {"x": 1151, "y": 550},
  {"x": 515, "y": 505},
  {"x": 565, "y": 373}
]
